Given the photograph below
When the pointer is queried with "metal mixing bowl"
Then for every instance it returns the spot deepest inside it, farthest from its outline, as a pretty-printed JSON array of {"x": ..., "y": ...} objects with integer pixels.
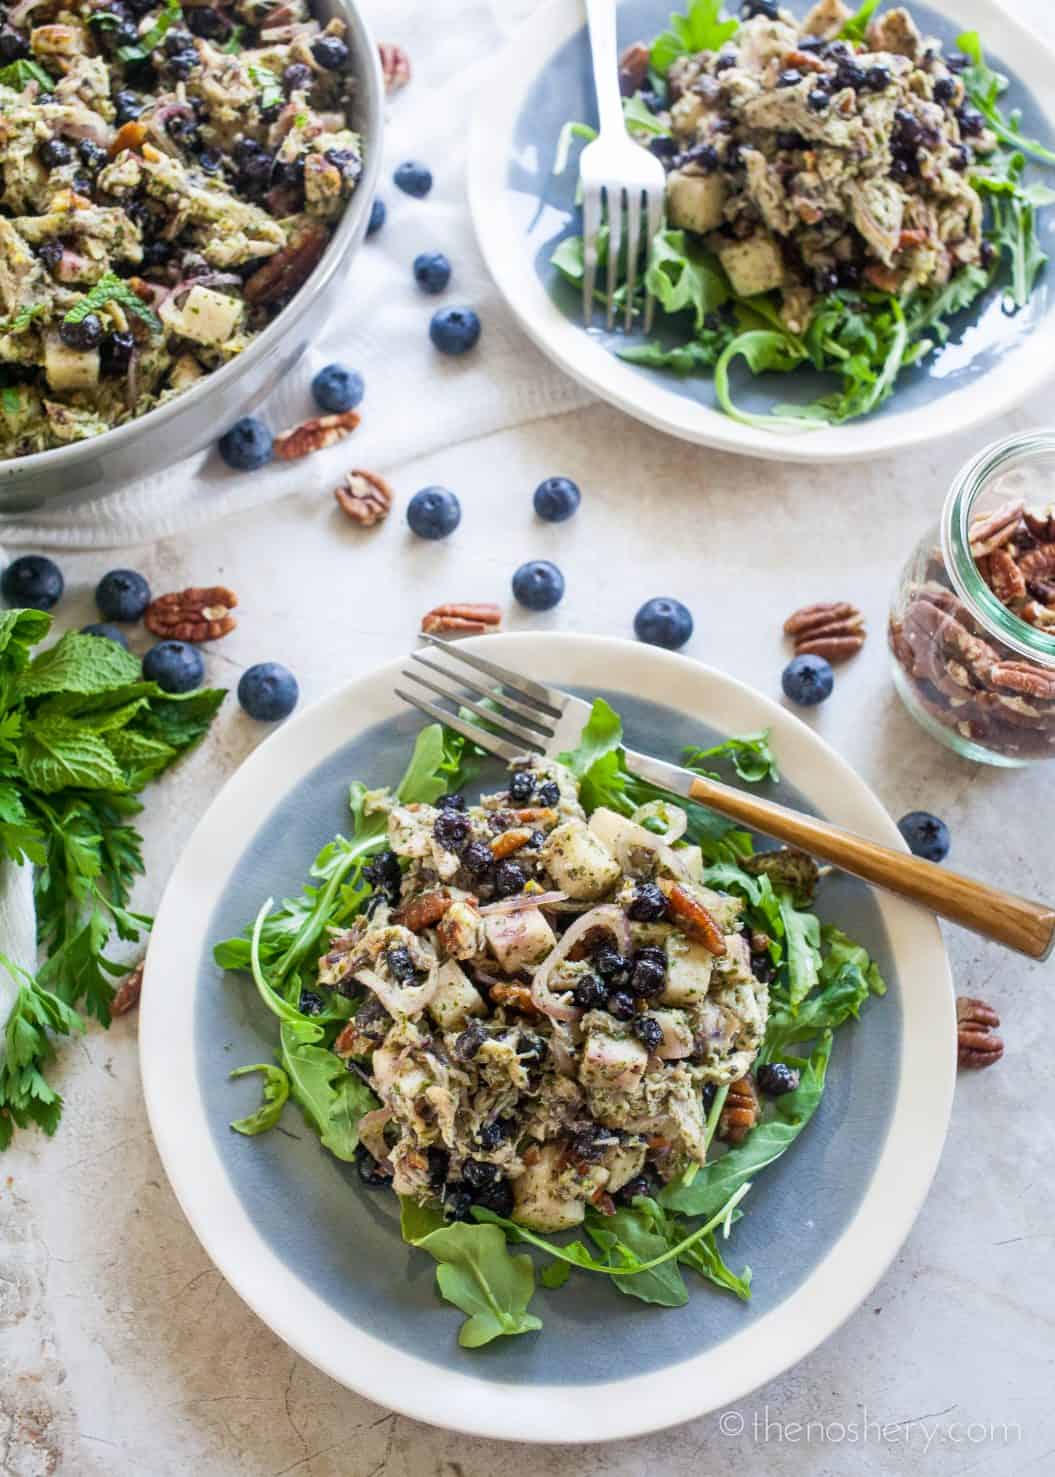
[{"x": 89, "y": 469}]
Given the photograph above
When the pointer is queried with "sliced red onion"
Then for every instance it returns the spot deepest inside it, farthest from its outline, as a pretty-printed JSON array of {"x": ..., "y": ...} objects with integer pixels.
[
  {"x": 621, "y": 836},
  {"x": 672, "y": 816},
  {"x": 16, "y": 16},
  {"x": 608, "y": 917},
  {"x": 562, "y": 1051},
  {"x": 400, "y": 999},
  {"x": 519, "y": 903},
  {"x": 95, "y": 128}
]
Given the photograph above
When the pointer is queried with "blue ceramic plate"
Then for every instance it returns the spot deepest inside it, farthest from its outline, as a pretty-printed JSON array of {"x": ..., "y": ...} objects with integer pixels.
[
  {"x": 320, "y": 1258},
  {"x": 522, "y": 210}
]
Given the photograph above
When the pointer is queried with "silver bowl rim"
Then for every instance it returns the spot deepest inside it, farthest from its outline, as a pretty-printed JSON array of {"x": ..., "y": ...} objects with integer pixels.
[{"x": 350, "y": 230}]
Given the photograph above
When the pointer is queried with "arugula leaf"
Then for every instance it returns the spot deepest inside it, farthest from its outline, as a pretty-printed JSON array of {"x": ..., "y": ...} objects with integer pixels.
[
  {"x": 570, "y": 131},
  {"x": 802, "y": 943},
  {"x": 20, "y": 73},
  {"x": 332, "y": 1099},
  {"x": 479, "y": 1275},
  {"x": 113, "y": 289},
  {"x": 856, "y": 27},
  {"x": 627, "y": 1235},
  {"x": 751, "y": 756},
  {"x": 983, "y": 87},
  {"x": 703, "y": 28},
  {"x": 702, "y": 352},
  {"x": 554, "y": 1274},
  {"x": 927, "y": 311},
  {"x": 441, "y": 761},
  {"x": 1012, "y": 224},
  {"x": 764, "y": 349},
  {"x": 684, "y": 275},
  {"x": 276, "y": 1091},
  {"x": 716, "y": 1182},
  {"x": 707, "y": 1260},
  {"x": 36, "y": 1015}
]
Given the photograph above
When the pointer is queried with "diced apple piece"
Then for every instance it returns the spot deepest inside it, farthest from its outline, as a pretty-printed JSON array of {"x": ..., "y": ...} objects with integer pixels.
[
  {"x": 540, "y": 1200},
  {"x": 689, "y": 967},
  {"x": 518, "y": 940},
  {"x": 70, "y": 369},
  {"x": 206, "y": 316},
  {"x": 677, "y": 1040},
  {"x": 608, "y": 1062},
  {"x": 694, "y": 201},
  {"x": 456, "y": 998},
  {"x": 752, "y": 266},
  {"x": 578, "y": 862}
]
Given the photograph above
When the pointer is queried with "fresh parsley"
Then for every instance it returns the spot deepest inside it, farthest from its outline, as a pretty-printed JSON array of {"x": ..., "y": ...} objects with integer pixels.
[{"x": 112, "y": 289}]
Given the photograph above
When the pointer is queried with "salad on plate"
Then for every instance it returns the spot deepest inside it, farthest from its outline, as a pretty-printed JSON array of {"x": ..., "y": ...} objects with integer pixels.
[
  {"x": 570, "y": 1009},
  {"x": 839, "y": 189}
]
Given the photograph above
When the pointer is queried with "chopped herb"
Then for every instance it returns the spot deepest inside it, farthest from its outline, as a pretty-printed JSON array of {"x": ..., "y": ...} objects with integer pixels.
[
  {"x": 112, "y": 289},
  {"x": 268, "y": 85},
  {"x": 19, "y": 74},
  {"x": 171, "y": 16},
  {"x": 11, "y": 399},
  {"x": 23, "y": 318},
  {"x": 234, "y": 41}
]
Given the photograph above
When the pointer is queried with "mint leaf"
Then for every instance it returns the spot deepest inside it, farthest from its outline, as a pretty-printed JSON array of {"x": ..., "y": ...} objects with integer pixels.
[
  {"x": 703, "y": 28},
  {"x": 275, "y": 1093},
  {"x": 81, "y": 664},
  {"x": 58, "y": 753},
  {"x": 113, "y": 289},
  {"x": 20, "y": 73},
  {"x": 171, "y": 16},
  {"x": 23, "y": 318},
  {"x": 268, "y": 86},
  {"x": 856, "y": 27}
]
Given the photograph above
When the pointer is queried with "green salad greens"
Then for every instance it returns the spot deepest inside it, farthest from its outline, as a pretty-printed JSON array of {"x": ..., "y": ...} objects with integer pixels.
[
  {"x": 81, "y": 734},
  {"x": 820, "y": 981}
]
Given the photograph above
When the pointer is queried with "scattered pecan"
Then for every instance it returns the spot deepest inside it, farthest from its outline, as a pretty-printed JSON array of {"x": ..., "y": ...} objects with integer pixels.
[
  {"x": 315, "y": 435},
  {"x": 129, "y": 136},
  {"x": 517, "y": 997},
  {"x": 1035, "y": 614},
  {"x": 884, "y": 278},
  {"x": 1041, "y": 525},
  {"x": 510, "y": 841},
  {"x": 422, "y": 912},
  {"x": 992, "y": 530},
  {"x": 462, "y": 619},
  {"x": 760, "y": 942},
  {"x": 365, "y": 497},
  {"x": 834, "y": 630},
  {"x": 192, "y": 615},
  {"x": 395, "y": 65},
  {"x": 633, "y": 68},
  {"x": 914, "y": 236},
  {"x": 1004, "y": 576},
  {"x": 286, "y": 271},
  {"x": 1038, "y": 563},
  {"x": 694, "y": 919},
  {"x": 1024, "y": 678},
  {"x": 740, "y": 1112},
  {"x": 126, "y": 996},
  {"x": 352, "y": 1042},
  {"x": 976, "y": 1044},
  {"x": 804, "y": 61},
  {"x": 539, "y": 816}
]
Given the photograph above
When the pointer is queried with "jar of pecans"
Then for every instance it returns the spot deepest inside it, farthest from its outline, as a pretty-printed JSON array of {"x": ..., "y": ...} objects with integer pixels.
[{"x": 972, "y": 628}]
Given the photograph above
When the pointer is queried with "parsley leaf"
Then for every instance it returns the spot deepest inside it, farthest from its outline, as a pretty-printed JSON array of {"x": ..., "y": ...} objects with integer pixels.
[{"x": 36, "y": 1015}]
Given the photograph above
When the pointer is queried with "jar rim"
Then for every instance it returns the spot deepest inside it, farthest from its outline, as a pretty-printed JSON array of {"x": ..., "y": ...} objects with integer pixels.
[{"x": 969, "y": 483}]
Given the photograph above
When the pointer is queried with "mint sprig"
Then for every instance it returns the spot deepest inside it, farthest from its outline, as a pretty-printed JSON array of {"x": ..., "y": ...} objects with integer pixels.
[{"x": 113, "y": 289}]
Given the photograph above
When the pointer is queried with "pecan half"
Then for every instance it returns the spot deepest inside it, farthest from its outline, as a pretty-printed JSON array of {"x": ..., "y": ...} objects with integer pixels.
[
  {"x": 539, "y": 817},
  {"x": 740, "y": 1112},
  {"x": 1042, "y": 590},
  {"x": 315, "y": 435},
  {"x": 633, "y": 68},
  {"x": 510, "y": 841},
  {"x": 992, "y": 530},
  {"x": 1041, "y": 525},
  {"x": 129, "y": 136},
  {"x": 365, "y": 497},
  {"x": 517, "y": 997},
  {"x": 1036, "y": 614},
  {"x": 468, "y": 619},
  {"x": 192, "y": 615},
  {"x": 694, "y": 919},
  {"x": 395, "y": 65},
  {"x": 126, "y": 996},
  {"x": 352, "y": 1042},
  {"x": 1038, "y": 563},
  {"x": 834, "y": 630},
  {"x": 976, "y": 1044},
  {"x": 286, "y": 271},
  {"x": 1003, "y": 576},
  {"x": 1024, "y": 678},
  {"x": 422, "y": 912}
]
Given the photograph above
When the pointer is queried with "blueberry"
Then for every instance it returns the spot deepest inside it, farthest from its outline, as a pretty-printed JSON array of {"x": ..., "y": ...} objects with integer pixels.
[
  {"x": 776, "y": 1078},
  {"x": 521, "y": 787},
  {"x": 610, "y": 965},
  {"x": 330, "y": 52},
  {"x": 971, "y": 121},
  {"x": 548, "y": 793},
  {"x": 452, "y": 830},
  {"x": 268, "y": 691},
  {"x": 400, "y": 964},
  {"x": 944, "y": 90},
  {"x": 818, "y": 100},
  {"x": 117, "y": 350},
  {"x": 122, "y": 595},
  {"x": 927, "y": 836},
  {"x": 648, "y": 905},
  {"x": 310, "y": 1003},
  {"x": 439, "y": 1163},
  {"x": 454, "y": 330},
  {"x": 451, "y": 802},
  {"x": 202, "y": 20},
  {"x": 556, "y": 499},
  {"x": 433, "y": 513},
  {"x": 648, "y": 1031},
  {"x": 470, "y": 1041},
  {"x": 591, "y": 993},
  {"x": 128, "y": 106},
  {"x": 247, "y": 445},
  {"x": 107, "y": 632},
  {"x": 649, "y": 973},
  {"x": 384, "y": 875},
  {"x": 877, "y": 78},
  {"x": 370, "y": 1172},
  {"x": 707, "y": 1096},
  {"x": 414, "y": 179},
  {"x": 490, "y": 1135},
  {"x": 790, "y": 78},
  {"x": 477, "y": 858},
  {"x": 663, "y": 622},
  {"x": 639, "y": 1185},
  {"x": 378, "y": 212},
  {"x": 538, "y": 585},
  {"x": 32, "y": 581},
  {"x": 808, "y": 680},
  {"x": 84, "y": 335},
  {"x": 13, "y": 47},
  {"x": 789, "y": 140},
  {"x": 769, "y": 8},
  {"x": 432, "y": 271},
  {"x": 54, "y": 152},
  {"x": 337, "y": 389},
  {"x": 621, "y": 1005},
  {"x": 174, "y": 666},
  {"x": 510, "y": 878},
  {"x": 724, "y": 62}
]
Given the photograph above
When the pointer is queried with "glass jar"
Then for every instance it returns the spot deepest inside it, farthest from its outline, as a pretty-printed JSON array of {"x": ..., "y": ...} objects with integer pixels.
[{"x": 978, "y": 673}]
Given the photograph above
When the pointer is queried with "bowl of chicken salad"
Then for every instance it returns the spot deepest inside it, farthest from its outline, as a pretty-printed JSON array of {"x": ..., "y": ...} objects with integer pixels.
[
  {"x": 857, "y": 217},
  {"x": 183, "y": 186},
  {"x": 493, "y": 1086}
]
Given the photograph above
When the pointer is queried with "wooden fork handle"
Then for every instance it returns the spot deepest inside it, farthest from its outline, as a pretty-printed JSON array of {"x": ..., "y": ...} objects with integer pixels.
[{"x": 1013, "y": 921}]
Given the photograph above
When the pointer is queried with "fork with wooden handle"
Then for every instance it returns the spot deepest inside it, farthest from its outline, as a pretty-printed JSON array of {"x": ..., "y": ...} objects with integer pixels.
[{"x": 527, "y": 717}]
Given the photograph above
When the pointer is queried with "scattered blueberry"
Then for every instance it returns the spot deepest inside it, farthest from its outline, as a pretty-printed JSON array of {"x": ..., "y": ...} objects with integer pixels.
[
  {"x": 648, "y": 1031},
  {"x": 808, "y": 680},
  {"x": 33, "y": 581},
  {"x": 378, "y": 212},
  {"x": 54, "y": 152},
  {"x": 247, "y": 445},
  {"x": 777, "y": 1078},
  {"x": 414, "y": 179},
  {"x": 750, "y": 8},
  {"x": 174, "y": 665},
  {"x": 122, "y": 595},
  {"x": 650, "y": 972},
  {"x": 400, "y": 964},
  {"x": 337, "y": 389},
  {"x": 454, "y": 330},
  {"x": 538, "y": 585},
  {"x": 509, "y": 879},
  {"x": 590, "y": 993},
  {"x": 311, "y": 1002},
  {"x": 268, "y": 691},
  {"x": 557, "y": 499},
  {"x": 648, "y": 905},
  {"x": 453, "y": 830},
  {"x": 432, "y": 271},
  {"x": 84, "y": 335},
  {"x": 663, "y": 622},
  {"x": 621, "y": 1005},
  {"x": 548, "y": 793},
  {"x": 434, "y": 512},
  {"x": 927, "y": 836},
  {"x": 330, "y": 52},
  {"x": 107, "y": 632},
  {"x": 521, "y": 786},
  {"x": 477, "y": 858}
]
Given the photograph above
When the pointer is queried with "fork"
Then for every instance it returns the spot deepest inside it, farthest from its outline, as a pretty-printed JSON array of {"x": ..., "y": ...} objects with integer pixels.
[
  {"x": 617, "y": 172},
  {"x": 535, "y": 719}
]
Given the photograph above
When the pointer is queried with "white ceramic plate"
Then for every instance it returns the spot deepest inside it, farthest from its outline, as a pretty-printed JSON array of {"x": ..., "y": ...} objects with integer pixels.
[
  {"x": 319, "y": 1258},
  {"x": 520, "y": 211}
]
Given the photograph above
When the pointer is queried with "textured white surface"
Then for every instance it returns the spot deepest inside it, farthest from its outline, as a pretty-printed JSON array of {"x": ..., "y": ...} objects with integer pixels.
[{"x": 123, "y": 1352}]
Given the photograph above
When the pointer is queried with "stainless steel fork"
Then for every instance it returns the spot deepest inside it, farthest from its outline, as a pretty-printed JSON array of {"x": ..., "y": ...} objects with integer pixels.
[
  {"x": 528, "y": 717},
  {"x": 617, "y": 175}
]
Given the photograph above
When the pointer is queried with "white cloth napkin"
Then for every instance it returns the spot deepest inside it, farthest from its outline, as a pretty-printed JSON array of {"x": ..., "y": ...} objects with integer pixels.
[{"x": 416, "y": 399}]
